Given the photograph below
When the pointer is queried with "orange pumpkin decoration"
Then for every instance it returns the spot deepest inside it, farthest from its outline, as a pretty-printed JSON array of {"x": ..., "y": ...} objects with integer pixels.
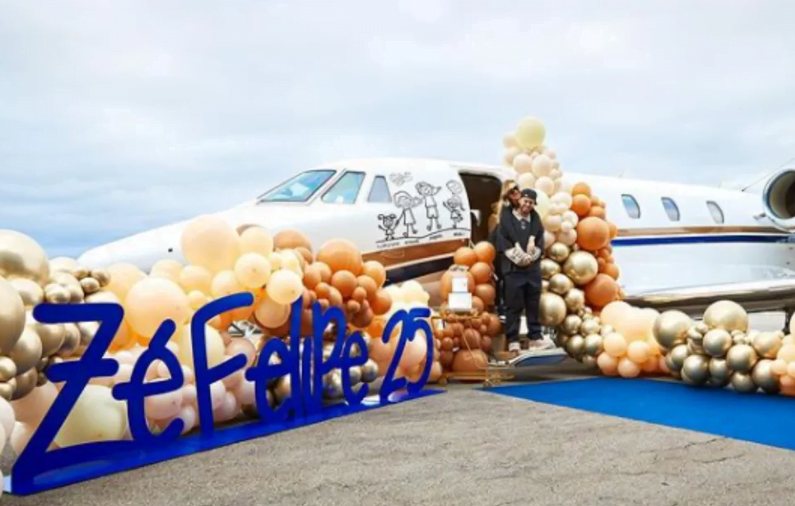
[
  {"x": 592, "y": 234},
  {"x": 581, "y": 205},
  {"x": 581, "y": 188},
  {"x": 601, "y": 291}
]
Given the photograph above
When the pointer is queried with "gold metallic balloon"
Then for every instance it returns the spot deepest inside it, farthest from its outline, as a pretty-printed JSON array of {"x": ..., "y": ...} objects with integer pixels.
[
  {"x": 695, "y": 370},
  {"x": 71, "y": 340},
  {"x": 719, "y": 370},
  {"x": 726, "y": 315},
  {"x": 552, "y": 310},
  {"x": 89, "y": 285},
  {"x": 741, "y": 338},
  {"x": 56, "y": 294},
  {"x": 670, "y": 329},
  {"x": 575, "y": 300},
  {"x": 12, "y": 316},
  {"x": 717, "y": 342},
  {"x": 52, "y": 337},
  {"x": 764, "y": 378},
  {"x": 41, "y": 378},
  {"x": 281, "y": 390},
  {"x": 560, "y": 284},
  {"x": 7, "y": 389},
  {"x": 102, "y": 276},
  {"x": 678, "y": 355},
  {"x": 70, "y": 284},
  {"x": 694, "y": 334},
  {"x": 26, "y": 382},
  {"x": 544, "y": 286},
  {"x": 575, "y": 346},
  {"x": 8, "y": 369},
  {"x": 87, "y": 332},
  {"x": 743, "y": 383},
  {"x": 581, "y": 267},
  {"x": 694, "y": 347},
  {"x": 558, "y": 252},
  {"x": 332, "y": 385},
  {"x": 22, "y": 257},
  {"x": 54, "y": 360},
  {"x": 593, "y": 345},
  {"x": 79, "y": 271},
  {"x": 589, "y": 326},
  {"x": 549, "y": 268},
  {"x": 27, "y": 352},
  {"x": 718, "y": 382},
  {"x": 355, "y": 373},
  {"x": 31, "y": 292},
  {"x": 767, "y": 344},
  {"x": 62, "y": 264},
  {"x": 741, "y": 358},
  {"x": 571, "y": 324}
]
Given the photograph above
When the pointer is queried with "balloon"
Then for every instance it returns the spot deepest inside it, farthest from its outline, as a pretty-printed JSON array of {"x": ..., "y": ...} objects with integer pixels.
[
  {"x": 32, "y": 408},
  {"x": 607, "y": 364},
  {"x": 541, "y": 166},
  {"x": 122, "y": 277},
  {"x": 627, "y": 368},
  {"x": 256, "y": 239},
  {"x": 271, "y": 314},
  {"x": 581, "y": 188},
  {"x": 615, "y": 345},
  {"x": 214, "y": 345},
  {"x": 167, "y": 268},
  {"x": 252, "y": 270},
  {"x": 530, "y": 133},
  {"x": 376, "y": 271},
  {"x": 285, "y": 287},
  {"x": 545, "y": 184},
  {"x": 593, "y": 234},
  {"x": 152, "y": 301},
  {"x": 12, "y": 316},
  {"x": 523, "y": 164},
  {"x": 194, "y": 277},
  {"x": 96, "y": 416},
  {"x": 22, "y": 257},
  {"x": 542, "y": 204},
  {"x": 526, "y": 180},
  {"x": 341, "y": 254},
  {"x": 210, "y": 242},
  {"x": 509, "y": 141},
  {"x": 552, "y": 222}
]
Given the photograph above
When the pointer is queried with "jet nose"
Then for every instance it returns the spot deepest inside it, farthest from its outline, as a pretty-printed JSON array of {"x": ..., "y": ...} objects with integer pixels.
[{"x": 95, "y": 258}]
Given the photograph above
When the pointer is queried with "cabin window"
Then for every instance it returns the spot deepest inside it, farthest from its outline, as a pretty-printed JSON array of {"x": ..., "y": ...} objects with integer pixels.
[
  {"x": 631, "y": 206},
  {"x": 299, "y": 188},
  {"x": 671, "y": 209},
  {"x": 379, "y": 191},
  {"x": 716, "y": 212},
  {"x": 345, "y": 190}
]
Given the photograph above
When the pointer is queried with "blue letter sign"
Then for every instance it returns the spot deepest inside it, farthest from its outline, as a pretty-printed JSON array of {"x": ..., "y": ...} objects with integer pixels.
[{"x": 304, "y": 361}]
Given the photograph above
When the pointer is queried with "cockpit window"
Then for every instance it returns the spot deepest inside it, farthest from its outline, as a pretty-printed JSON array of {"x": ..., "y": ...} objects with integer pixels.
[
  {"x": 345, "y": 190},
  {"x": 299, "y": 188}
]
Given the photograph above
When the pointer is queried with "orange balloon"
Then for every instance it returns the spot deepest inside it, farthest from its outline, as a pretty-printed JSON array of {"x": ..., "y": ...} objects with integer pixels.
[
  {"x": 465, "y": 256},
  {"x": 597, "y": 212},
  {"x": 581, "y": 204},
  {"x": 341, "y": 255},
  {"x": 376, "y": 271},
  {"x": 345, "y": 282},
  {"x": 601, "y": 291},
  {"x": 481, "y": 271},
  {"x": 596, "y": 200},
  {"x": 485, "y": 252},
  {"x": 581, "y": 188},
  {"x": 612, "y": 270},
  {"x": 291, "y": 239},
  {"x": 382, "y": 302},
  {"x": 592, "y": 234}
]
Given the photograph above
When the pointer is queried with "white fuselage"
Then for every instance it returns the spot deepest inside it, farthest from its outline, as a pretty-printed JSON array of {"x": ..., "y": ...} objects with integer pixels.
[{"x": 422, "y": 215}]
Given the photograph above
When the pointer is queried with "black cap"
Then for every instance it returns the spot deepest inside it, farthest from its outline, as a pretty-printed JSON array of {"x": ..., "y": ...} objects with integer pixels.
[{"x": 529, "y": 193}]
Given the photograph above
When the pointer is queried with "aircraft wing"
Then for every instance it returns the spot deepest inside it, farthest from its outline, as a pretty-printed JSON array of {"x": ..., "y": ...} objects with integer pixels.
[{"x": 755, "y": 297}]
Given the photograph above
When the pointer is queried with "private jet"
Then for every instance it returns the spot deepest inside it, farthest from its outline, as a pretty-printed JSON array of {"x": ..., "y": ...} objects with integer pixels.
[{"x": 679, "y": 246}]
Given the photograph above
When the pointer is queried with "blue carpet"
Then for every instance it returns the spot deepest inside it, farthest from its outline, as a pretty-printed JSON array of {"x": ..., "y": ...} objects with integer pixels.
[{"x": 757, "y": 418}]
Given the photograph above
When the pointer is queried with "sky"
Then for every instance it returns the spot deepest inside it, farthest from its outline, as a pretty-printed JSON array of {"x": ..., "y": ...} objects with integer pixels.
[{"x": 116, "y": 117}]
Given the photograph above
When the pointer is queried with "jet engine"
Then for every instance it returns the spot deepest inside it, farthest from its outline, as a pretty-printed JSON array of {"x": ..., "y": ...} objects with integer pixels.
[{"x": 778, "y": 199}]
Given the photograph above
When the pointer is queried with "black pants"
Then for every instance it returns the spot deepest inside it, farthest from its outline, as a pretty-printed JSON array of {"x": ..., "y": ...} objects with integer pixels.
[{"x": 522, "y": 294}]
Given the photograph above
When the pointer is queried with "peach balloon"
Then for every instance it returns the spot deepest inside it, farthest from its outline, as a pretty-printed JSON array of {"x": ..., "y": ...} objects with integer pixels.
[
  {"x": 7, "y": 416},
  {"x": 376, "y": 271},
  {"x": 122, "y": 277},
  {"x": 651, "y": 365},
  {"x": 628, "y": 369},
  {"x": 256, "y": 239},
  {"x": 252, "y": 270},
  {"x": 593, "y": 233},
  {"x": 285, "y": 287},
  {"x": 225, "y": 283},
  {"x": 779, "y": 367},
  {"x": 786, "y": 353},
  {"x": 210, "y": 242},
  {"x": 32, "y": 408},
  {"x": 614, "y": 313},
  {"x": 163, "y": 406},
  {"x": 196, "y": 300},
  {"x": 581, "y": 188},
  {"x": 341, "y": 255},
  {"x": 167, "y": 268},
  {"x": 271, "y": 314},
  {"x": 465, "y": 256},
  {"x": 242, "y": 345},
  {"x": 193, "y": 277},
  {"x": 213, "y": 342},
  {"x": 152, "y": 301},
  {"x": 639, "y": 352},
  {"x": 414, "y": 352},
  {"x": 607, "y": 364},
  {"x": 615, "y": 345},
  {"x": 245, "y": 392},
  {"x": 581, "y": 205},
  {"x": 20, "y": 436}
]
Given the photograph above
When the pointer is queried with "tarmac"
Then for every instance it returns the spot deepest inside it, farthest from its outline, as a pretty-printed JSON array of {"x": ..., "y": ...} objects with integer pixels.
[{"x": 465, "y": 447}]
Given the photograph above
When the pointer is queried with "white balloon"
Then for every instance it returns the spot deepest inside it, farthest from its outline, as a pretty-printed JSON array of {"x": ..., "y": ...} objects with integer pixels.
[
  {"x": 563, "y": 198},
  {"x": 545, "y": 184},
  {"x": 526, "y": 180},
  {"x": 565, "y": 226},
  {"x": 568, "y": 238},
  {"x": 571, "y": 217},
  {"x": 552, "y": 222},
  {"x": 508, "y": 157},
  {"x": 555, "y": 175},
  {"x": 522, "y": 163},
  {"x": 555, "y": 165},
  {"x": 542, "y": 165},
  {"x": 509, "y": 140},
  {"x": 566, "y": 186},
  {"x": 550, "y": 153}
]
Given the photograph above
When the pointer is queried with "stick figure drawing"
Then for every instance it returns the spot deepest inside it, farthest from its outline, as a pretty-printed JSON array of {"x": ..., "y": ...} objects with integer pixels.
[
  {"x": 406, "y": 203},
  {"x": 427, "y": 191}
]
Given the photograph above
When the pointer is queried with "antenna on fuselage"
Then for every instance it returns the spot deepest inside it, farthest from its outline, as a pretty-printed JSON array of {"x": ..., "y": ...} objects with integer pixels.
[{"x": 769, "y": 173}]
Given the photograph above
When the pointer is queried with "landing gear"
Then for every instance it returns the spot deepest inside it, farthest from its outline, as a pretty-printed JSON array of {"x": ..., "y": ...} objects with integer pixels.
[{"x": 788, "y": 313}]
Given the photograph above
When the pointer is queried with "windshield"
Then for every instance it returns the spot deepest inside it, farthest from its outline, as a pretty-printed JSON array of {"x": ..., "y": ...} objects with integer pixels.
[{"x": 299, "y": 188}]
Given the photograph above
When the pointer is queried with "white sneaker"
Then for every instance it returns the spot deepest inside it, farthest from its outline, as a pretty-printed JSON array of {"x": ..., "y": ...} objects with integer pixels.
[
  {"x": 514, "y": 347},
  {"x": 541, "y": 344}
]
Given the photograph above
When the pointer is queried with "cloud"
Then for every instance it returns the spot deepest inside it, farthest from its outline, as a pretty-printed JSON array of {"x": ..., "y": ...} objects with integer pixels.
[{"x": 121, "y": 116}]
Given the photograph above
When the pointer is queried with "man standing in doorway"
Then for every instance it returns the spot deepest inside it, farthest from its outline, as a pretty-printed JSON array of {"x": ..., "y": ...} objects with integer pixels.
[{"x": 522, "y": 238}]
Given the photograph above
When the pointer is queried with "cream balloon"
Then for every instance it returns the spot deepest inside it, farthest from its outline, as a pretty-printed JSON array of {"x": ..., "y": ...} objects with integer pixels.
[
  {"x": 552, "y": 222},
  {"x": 152, "y": 301},
  {"x": 252, "y": 270},
  {"x": 122, "y": 277},
  {"x": 526, "y": 180},
  {"x": 542, "y": 203},
  {"x": 214, "y": 345},
  {"x": 256, "y": 239},
  {"x": 530, "y": 133},
  {"x": 541, "y": 166},
  {"x": 32, "y": 408},
  {"x": 545, "y": 184},
  {"x": 225, "y": 283},
  {"x": 510, "y": 154},
  {"x": 210, "y": 242},
  {"x": 12, "y": 316},
  {"x": 566, "y": 186},
  {"x": 615, "y": 345},
  {"x": 523, "y": 164},
  {"x": 96, "y": 416},
  {"x": 193, "y": 277},
  {"x": 568, "y": 237},
  {"x": 167, "y": 268},
  {"x": 509, "y": 140},
  {"x": 564, "y": 199},
  {"x": 285, "y": 287}
]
